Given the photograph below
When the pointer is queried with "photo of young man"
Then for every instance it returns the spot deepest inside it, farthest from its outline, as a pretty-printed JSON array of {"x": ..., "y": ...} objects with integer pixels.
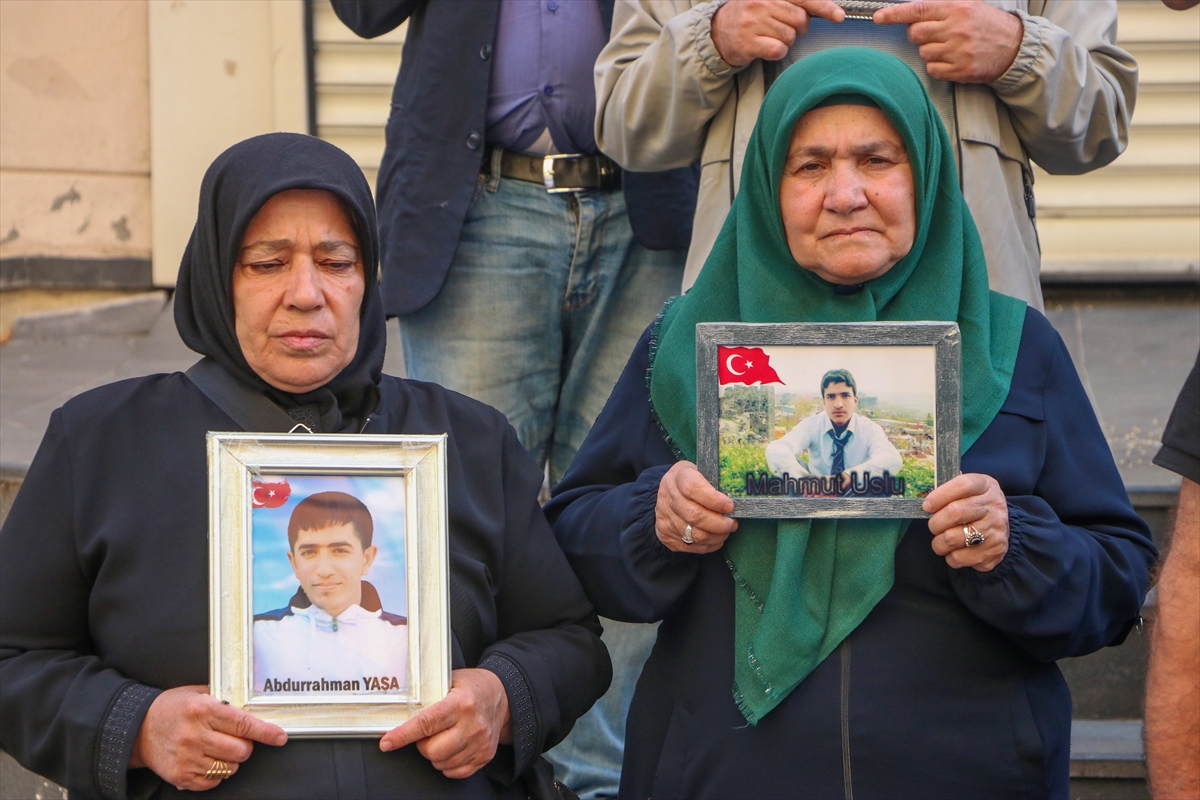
[
  {"x": 838, "y": 440},
  {"x": 333, "y": 635}
]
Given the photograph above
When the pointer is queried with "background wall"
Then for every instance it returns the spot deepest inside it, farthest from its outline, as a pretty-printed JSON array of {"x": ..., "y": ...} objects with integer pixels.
[
  {"x": 74, "y": 143},
  {"x": 353, "y": 80},
  {"x": 1139, "y": 217},
  {"x": 110, "y": 112},
  {"x": 220, "y": 71}
]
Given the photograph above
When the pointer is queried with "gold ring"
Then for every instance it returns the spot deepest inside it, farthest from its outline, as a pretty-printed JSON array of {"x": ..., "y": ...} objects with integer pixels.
[
  {"x": 972, "y": 537},
  {"x": 219, "y": 769}
]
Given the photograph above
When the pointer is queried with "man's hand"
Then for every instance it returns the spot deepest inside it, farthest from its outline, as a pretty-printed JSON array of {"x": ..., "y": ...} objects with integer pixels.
[
  {"x": 459, "y": 733},
  {"x": 743, "y": 30},
  {"x": 186, "y": 729},
  {"x": 967, "y": 41},
  {"x": 685, "y": 498}
]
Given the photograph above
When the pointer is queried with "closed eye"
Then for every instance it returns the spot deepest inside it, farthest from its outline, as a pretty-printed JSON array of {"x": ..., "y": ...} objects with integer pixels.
[{"x": 264, "y": 266}]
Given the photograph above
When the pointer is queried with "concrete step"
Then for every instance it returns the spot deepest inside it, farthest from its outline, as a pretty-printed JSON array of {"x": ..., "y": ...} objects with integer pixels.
[{"x": 1107, "y": 760}]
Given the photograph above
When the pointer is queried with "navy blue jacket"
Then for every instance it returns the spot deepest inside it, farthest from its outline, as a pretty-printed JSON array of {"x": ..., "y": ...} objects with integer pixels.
[
  {"x": 435, "y": 145},
  {"x": 947, "y": 689}
]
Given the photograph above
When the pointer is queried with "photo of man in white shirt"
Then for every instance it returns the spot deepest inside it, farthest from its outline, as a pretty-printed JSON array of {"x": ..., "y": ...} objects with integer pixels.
[
  {"x": 333, "y": 636},
  {"x": 838, "y": 440}
]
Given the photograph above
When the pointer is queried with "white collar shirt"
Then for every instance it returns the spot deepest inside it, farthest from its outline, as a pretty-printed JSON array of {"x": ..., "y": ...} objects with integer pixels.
[{"x": 867, "y": 449}]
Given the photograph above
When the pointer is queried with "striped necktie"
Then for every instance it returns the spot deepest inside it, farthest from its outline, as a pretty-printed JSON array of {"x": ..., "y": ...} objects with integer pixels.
[{"x": 839, "y": 450}]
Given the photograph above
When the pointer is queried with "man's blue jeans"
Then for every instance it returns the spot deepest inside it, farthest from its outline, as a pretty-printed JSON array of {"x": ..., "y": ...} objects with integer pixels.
[{"x": 545, "y": 298}]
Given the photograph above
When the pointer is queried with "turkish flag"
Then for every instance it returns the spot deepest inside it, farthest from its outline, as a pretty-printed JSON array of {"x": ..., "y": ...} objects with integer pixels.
[
  {"x": 748, "y": 365},
  {"x": 271, "y": 495}
]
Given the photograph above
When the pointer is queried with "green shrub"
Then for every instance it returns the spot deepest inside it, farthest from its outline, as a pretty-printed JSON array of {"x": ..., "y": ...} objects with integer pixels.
[
  {"x": 918, "y": 477},
  {"x": 736, "y": 461}
]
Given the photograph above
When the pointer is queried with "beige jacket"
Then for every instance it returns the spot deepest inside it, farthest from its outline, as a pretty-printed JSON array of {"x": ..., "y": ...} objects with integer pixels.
[{"x": 664, "y": 98}]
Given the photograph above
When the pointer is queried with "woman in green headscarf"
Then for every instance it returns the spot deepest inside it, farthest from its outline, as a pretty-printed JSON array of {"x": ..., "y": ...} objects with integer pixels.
[{"x": 872, "y": 657}]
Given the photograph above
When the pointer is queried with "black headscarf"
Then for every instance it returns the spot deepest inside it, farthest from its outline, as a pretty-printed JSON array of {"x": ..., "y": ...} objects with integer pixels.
[{"x": 235, "y": 187}]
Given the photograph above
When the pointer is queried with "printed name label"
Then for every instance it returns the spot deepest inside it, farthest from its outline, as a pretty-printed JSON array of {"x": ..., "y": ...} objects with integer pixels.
[{"x": 369, "y": 683}]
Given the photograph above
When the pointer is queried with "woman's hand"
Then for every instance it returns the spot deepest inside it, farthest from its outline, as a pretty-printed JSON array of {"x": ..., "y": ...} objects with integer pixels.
[
  {"x": 186, "y": 729},
  {"x": 459, "y": 733},
  {"x": 971, "y": 500},
  {"x": 686, "y": 498}
]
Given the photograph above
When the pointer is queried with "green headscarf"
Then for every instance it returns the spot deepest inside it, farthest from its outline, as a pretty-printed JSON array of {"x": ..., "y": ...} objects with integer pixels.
[{"x": 804, "y": 585}]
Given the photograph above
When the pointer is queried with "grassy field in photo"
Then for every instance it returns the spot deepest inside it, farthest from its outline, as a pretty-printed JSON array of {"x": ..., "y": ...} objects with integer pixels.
[{"x": 736, "y": 461}]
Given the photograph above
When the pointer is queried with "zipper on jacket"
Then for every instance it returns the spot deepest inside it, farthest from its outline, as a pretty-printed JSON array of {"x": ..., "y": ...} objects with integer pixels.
[
  {"x": 847, "y": 777},
  {"x": 958, "y": 137},
  {"x": 1031, "y": 203},
  {"x": 737, "y": 99}
]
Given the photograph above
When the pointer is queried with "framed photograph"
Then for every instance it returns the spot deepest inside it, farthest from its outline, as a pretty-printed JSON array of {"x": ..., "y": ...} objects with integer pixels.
[
  {"x": 328, "y": 572},
  {"x": 805, "y": 420}
]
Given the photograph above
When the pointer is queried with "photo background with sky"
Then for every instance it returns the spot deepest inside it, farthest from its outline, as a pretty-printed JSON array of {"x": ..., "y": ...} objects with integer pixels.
[
  {"x": 898, "y": 376},
  {"x": 275, "y": 582}
]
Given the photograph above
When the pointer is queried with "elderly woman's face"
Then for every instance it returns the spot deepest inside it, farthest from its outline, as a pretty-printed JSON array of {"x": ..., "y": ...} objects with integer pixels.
[
  {"x": 847, "y": 194},
  {"x": 297, "y": 290}
]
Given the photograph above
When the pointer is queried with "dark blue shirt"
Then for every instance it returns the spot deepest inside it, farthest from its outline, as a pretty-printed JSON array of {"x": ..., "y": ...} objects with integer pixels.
[
  {"x": 435, "y": 137},
  {"x": 542, "y": 74}
]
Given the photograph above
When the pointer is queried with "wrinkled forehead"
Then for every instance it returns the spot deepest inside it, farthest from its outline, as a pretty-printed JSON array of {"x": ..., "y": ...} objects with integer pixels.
[
  {"x": 844, "y": 126},
  {"x": 273, "y": 225}
]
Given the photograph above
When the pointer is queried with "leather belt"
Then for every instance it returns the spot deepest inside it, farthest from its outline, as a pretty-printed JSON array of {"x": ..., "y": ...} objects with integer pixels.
[{"x": 573, "y": 172}]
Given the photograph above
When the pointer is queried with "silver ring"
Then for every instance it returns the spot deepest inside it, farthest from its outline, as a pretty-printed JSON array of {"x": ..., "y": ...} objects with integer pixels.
[
  {"x": 687, "y": 535},
  {"x": 972, "y": 537}
]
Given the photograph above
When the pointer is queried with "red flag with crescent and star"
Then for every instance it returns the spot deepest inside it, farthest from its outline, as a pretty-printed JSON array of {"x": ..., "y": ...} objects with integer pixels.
[
  {"x": 271, "y": 494},
  {"x": 748, "y": 365}
]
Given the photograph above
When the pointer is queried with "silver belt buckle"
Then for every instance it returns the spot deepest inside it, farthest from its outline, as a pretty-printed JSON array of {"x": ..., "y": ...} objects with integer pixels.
[{"x": 548, "y": 174}]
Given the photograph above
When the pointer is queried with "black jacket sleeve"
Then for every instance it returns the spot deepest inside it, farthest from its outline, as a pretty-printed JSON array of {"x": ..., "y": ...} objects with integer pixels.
[
  {"x": 548, "y": 653},
  {"x": 63, "y": 712},
  {"x": 371, "y": 18},
  {"x": 603, "y": 510}
]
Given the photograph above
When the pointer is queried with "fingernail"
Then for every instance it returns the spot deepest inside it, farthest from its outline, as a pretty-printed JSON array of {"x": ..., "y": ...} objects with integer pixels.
[
  {"x": 386, "y": 746},
  {"x": 281, "y": 739}
]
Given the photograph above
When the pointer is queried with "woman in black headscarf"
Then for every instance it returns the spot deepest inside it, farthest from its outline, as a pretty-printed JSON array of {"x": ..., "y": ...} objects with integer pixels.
[{"x": 104, "y": 579}]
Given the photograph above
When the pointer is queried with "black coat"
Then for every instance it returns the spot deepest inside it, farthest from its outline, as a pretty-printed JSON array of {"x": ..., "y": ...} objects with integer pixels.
[
  {"x": 435, "y": 138},
  {"x": 947, "y": 689},
  {"x": 104, "y": 586}
]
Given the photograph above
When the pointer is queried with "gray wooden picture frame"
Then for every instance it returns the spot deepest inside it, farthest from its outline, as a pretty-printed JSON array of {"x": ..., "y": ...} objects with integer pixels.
[{"x": 943, "y": 337}]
